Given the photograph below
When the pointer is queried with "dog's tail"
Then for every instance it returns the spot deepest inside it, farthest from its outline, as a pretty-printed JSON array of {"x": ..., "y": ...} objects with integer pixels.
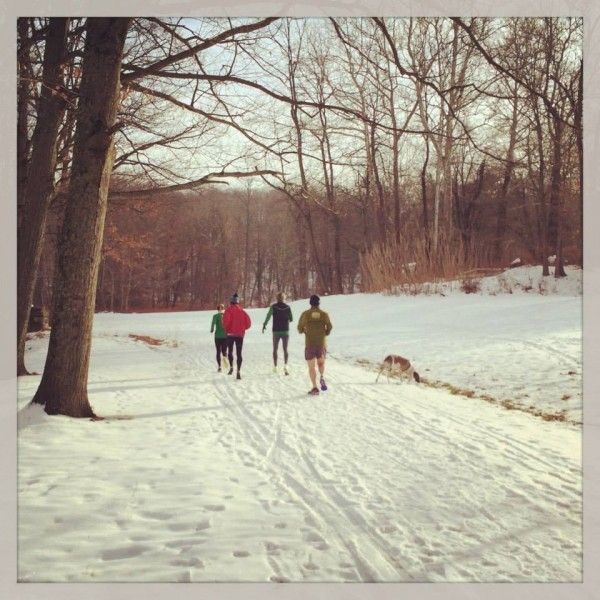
[{"x": 416, "y": 376}]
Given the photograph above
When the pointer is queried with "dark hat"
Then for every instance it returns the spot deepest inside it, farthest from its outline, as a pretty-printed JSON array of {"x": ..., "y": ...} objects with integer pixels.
[
  {"x": 234, "y": 299},
  {"x": 315, "y": 300}
]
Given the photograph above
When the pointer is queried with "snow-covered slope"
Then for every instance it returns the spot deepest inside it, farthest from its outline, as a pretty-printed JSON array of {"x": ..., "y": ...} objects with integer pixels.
[
  {"x": 527, "y": 279},
  {"x": 214, "y": 479}
]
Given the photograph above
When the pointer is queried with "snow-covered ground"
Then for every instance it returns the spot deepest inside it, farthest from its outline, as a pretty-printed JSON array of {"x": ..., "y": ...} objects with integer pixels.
[{"x": 214, "y": 479}]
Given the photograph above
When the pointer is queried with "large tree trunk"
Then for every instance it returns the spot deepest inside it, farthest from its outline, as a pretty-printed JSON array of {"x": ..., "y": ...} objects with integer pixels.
[
  {"x": 39, "y": 185},
  {"x": 63, "y": 388}
]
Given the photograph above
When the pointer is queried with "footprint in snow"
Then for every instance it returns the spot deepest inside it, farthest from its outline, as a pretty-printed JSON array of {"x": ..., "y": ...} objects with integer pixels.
[
  {"x": 185, "y": 544},
  {"x": 158, "y": 515},
  {"x": 178, "y": 526},
  {"x": 273, "y": 548},
  {"x": 241, "y": 553},
  {"x": 215, "y": 507},
  {"x": 203, "y": 525},
  {"x": 187, "y": 562},
  {"x": 318, "y": 542},
  {"x": 124, "y": 552}
]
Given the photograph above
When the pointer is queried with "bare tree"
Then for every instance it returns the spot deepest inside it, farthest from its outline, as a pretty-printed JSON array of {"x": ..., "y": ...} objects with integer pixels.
[
  {"x": 40, "y": 182},
  {"x": 63, "y": 389}
]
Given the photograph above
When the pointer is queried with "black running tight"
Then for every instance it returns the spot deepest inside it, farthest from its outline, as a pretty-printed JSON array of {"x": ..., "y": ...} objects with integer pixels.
[
  {"x": 239, "y": 342},
  {"x": 221, "y": 346}
]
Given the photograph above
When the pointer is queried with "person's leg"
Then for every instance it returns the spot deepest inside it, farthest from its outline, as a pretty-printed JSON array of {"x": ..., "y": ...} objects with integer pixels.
[
  {"x": 284, "y": 343},
  {"x": 223, "y": 346},
  {"x": 275, "y": 348},
  {"x": 312, "y": 372},
  {"x": 321, "y": 365},
  {"x": 218, "y": 347},
  {"x": 239, "y": 342},
  {"x": 230, "y": 353}
]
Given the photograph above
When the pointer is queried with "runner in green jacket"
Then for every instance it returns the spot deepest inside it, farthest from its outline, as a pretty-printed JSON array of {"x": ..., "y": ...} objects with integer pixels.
[{"x": 220, "y": 336}]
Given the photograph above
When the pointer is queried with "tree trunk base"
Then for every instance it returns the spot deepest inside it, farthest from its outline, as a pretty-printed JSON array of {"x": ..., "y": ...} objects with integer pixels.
[
  {"x": 77, "y": 407},
  {"x": 81, "y": 412},
  {"x": 559, "y": 272}
]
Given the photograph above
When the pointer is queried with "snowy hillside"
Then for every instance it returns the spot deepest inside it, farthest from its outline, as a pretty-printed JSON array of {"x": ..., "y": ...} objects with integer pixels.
[
  {"x": 519, "y": 280},
  {"x": 212, "y": 479}
]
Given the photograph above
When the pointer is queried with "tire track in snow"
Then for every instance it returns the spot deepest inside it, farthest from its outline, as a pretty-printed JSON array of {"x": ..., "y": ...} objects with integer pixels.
[
  {"x": 513, "y": 450},
  {"x": 267, "y": 431},
  {"x": 410, "y": 534},
  {"x": 548, "y": 508},
  {"x": 516, "y": 451},
  {"x": 289, "y": 474},
  {"x": 547, "y": 349},
  {"x": 350, "y": 514},
  {"x": 520, "y": 449}
]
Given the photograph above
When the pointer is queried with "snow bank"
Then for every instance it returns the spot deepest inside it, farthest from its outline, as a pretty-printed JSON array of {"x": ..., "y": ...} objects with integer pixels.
[{"x": 518, "y": 280}]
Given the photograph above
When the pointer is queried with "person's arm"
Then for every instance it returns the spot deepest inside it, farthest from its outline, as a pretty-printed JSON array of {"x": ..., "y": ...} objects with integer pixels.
[
  {"x": 213, "y": 323},
  {"x": 301, "y": 324},
  {"x": 269, "y": 315},
  {"x": 328, "y": 325},
  {"x": 226, "y": 316},
  {"x": 290, "y": 312},
  {"x": 248, "y": 321}
]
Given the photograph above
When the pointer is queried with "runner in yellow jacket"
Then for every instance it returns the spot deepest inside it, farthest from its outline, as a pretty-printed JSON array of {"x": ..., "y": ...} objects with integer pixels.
[{"x": 315, "y": 324}]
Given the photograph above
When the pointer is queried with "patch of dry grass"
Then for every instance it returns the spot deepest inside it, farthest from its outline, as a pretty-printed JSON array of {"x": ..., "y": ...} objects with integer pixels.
[{"x": 146, "y": 339}]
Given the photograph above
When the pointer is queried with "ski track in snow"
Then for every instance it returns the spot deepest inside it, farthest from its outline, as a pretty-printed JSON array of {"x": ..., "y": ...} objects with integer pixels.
[{"x": 215, "y": 479}]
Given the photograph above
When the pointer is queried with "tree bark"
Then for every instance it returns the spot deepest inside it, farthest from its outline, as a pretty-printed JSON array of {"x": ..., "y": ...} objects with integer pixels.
[
  {"x": 543, "y": 210},
  {"x": 302, "y": 280},
  {"x": 39, "y": 186},
  {"x": 63, "y": 388},
  {"x": 555, "y": 217},
  {"x": 23, "y": 96},
  {"x": 508, "y": 171},
  {"x": 381, "y": 215},
  {"x": 425, "y": 212}
]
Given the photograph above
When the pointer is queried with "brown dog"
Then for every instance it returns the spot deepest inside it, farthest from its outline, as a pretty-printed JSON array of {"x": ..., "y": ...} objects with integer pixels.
[{"x": 399, "y": 365}]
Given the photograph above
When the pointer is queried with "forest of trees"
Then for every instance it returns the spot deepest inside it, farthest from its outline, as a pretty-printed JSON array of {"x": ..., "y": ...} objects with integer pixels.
[{"x": 164, "y": 163}]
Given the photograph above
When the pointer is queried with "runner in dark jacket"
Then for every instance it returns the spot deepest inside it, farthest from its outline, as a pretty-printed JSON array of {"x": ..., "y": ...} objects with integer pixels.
[
  {"x": 282, "y": 317},
  {"x": 235, "y": 321},
  {"x": 216, "y": 325}
]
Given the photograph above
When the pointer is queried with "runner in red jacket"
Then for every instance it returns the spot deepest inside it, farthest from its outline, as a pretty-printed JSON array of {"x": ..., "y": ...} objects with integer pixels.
[{"x": 235, "y": 322}]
